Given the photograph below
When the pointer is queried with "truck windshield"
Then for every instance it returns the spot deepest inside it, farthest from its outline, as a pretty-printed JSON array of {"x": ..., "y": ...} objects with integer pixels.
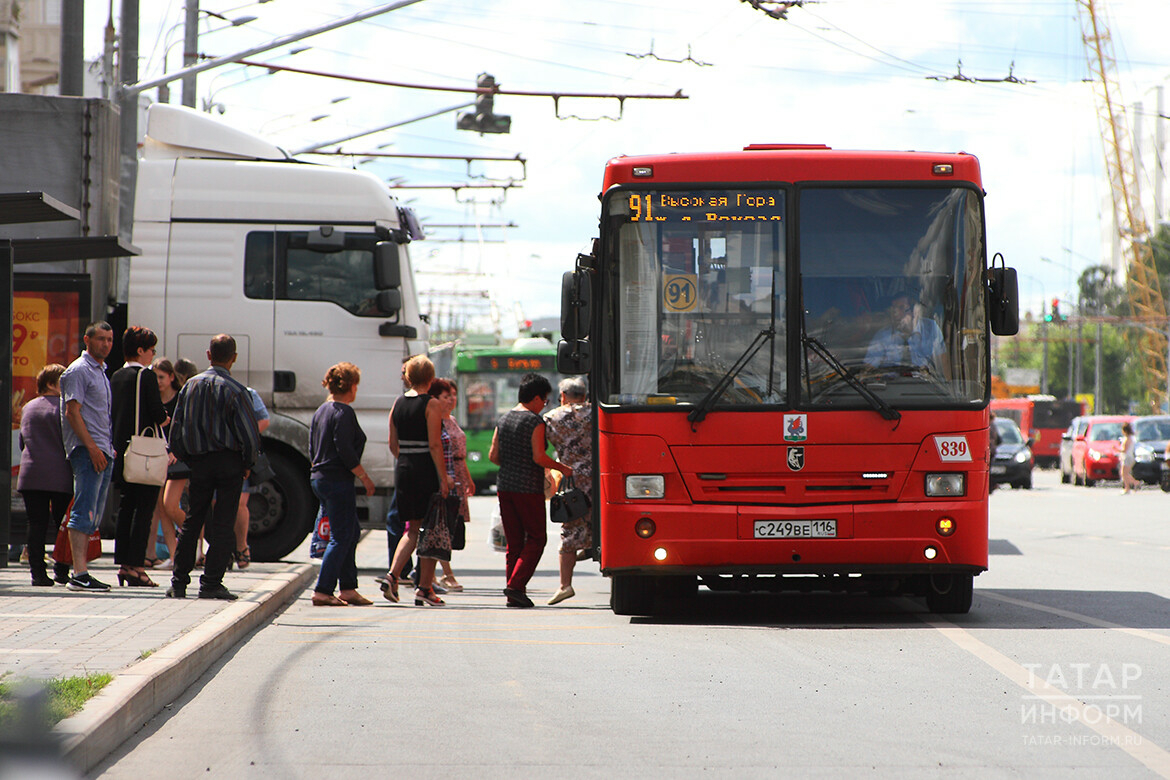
[{"x": 699, "y": 275}]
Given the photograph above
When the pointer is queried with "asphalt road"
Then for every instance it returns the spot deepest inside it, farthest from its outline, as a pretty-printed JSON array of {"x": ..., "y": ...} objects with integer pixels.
[{"x": 1062, "y": 667}]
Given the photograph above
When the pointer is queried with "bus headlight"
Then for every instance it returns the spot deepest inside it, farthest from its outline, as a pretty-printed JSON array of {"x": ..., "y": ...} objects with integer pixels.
[
  {"x": 946, "y": 485},
  {"x": 645, "y": 486}
]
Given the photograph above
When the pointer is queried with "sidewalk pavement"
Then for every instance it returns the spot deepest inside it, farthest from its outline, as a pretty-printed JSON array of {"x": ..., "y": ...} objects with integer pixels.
[{"x": 154, "y": 646}]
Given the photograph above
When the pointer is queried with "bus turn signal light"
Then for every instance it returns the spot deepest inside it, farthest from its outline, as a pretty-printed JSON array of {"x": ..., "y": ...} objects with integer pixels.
[
  {"x": 945, "y": 526},
  {"x": 645, "y": 527}
]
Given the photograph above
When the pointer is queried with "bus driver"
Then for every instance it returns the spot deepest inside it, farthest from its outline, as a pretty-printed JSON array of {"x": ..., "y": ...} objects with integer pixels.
[{"x": 910, "y": 339}]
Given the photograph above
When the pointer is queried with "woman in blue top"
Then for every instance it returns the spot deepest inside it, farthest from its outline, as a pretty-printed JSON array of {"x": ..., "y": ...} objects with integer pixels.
[{"x": 336, "y": 443}]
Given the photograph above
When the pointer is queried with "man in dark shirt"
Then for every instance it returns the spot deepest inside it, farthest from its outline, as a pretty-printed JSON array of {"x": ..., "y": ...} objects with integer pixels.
[{"x": 215, "y": 433}]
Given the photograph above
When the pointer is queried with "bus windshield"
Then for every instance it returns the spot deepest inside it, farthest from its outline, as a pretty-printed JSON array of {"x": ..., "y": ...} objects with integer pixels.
[
  {"x": 889, "y": 286},
  {"x": 700, "y": 275}
]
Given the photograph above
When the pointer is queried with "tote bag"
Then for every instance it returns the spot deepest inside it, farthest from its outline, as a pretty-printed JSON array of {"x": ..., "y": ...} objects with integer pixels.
[{"x": 145, "y": 461}]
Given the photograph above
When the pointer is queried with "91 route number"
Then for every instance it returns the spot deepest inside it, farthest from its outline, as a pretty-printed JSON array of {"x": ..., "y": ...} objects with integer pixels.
[{"x": 952, "y": 449}]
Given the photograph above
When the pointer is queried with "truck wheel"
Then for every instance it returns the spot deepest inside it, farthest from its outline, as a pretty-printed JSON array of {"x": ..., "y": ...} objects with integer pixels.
[
  {"x": 950, "y": 594},
  {"x": 632, "y": 594},
  {"x": 282, "y": 511}
]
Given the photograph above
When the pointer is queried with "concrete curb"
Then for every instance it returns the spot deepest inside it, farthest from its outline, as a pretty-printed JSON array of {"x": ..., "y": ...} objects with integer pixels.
[{"x": 138, "y": 693}]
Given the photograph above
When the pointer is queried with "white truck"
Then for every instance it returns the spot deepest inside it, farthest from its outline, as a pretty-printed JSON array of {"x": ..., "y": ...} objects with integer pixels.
[{"x": 305, "y": 265}]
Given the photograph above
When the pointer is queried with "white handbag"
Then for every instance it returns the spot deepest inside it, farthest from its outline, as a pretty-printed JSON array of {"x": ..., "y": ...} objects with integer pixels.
[{"x": 145, "y": 461}]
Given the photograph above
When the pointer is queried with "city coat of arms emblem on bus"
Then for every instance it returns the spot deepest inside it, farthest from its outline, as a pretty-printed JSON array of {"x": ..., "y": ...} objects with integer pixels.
[
  {"x": 796, "y": 458},
  {"x": 795, "y": 427}
]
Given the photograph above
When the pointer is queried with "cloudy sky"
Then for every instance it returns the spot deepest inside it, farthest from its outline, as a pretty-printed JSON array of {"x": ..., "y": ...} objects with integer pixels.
[{"x": 853, "y": 74}]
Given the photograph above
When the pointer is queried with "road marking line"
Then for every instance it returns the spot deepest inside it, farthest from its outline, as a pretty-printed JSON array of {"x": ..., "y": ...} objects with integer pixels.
[
  {"x": 456, "y": 641},
  {"x": 60, "y": 616},
  {"x": 1092, "y": 621},
  {"x": 1136, "y": 745}
]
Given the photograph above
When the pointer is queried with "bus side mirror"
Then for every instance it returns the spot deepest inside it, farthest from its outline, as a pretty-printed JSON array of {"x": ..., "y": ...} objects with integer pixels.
[
  {"x": 387, "y": 267},
  {"x": 388, "y": 302},
  {"x": 576, "y": 297},
  {"x": 574, "y": 357},
  {"x": 1003, "y": 300}
]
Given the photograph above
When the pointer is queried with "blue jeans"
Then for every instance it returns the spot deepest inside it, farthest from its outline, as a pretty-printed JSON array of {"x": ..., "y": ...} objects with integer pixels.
[
  {"x": 89, "y": 491},
  {"x": 338, "y": 565}
]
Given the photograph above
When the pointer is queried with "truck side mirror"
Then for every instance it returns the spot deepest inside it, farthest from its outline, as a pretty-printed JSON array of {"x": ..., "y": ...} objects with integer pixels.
[
  {"x": 388, "y": 301},
  {"x": 1003, "y": 299},
  {"x": 576, "y": 297},
  {"x": 387, "y": 267},
  {"x": 574, "y": 357}
]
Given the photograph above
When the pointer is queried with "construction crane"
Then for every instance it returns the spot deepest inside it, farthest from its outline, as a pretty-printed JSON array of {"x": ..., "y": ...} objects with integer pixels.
[{"x": 1145, "y": 294}]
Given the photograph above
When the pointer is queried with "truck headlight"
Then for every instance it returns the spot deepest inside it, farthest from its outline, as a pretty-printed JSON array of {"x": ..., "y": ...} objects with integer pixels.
[
  {"x": 946, "y": 485},
  {"x": 645, "y": 486}
]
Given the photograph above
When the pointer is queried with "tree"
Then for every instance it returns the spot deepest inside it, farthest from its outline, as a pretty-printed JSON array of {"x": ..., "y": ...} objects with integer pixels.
[{"x": 1099, "y": 294}]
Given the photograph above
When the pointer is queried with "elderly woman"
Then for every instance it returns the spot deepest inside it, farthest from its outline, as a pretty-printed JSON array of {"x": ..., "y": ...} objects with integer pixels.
[
  {"x": 569, "y": 431},
  {"x": 336, "y": 443},
  {"x": 416, "y": 431},
  {"x": 46, "y": 480},
  {"x": 518, "y": 448}
]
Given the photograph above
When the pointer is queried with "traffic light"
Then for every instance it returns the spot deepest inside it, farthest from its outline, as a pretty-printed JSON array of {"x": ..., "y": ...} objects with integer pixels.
[
  {"x": 1056, "y": 311},
  {"x": 483, "y": 119}
]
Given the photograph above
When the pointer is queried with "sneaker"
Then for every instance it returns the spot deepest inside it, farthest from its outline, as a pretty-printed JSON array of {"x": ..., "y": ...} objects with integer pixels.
[
  {"x": 517, "y": 598},
  {"x": 561, "y": 595},
  {"x": 218, "y": 592},
  {"x": 61, "y": 573},
  {"x": 42, "y": 580},
  {"x": 87, "y": 583},
  {"x": 176, "y": 592}
]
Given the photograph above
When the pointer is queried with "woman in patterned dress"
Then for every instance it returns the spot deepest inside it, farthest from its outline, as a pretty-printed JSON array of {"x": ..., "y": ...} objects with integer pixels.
[
  {"x": 569, "y": 431},
  {"x": 455, "y": 455}
]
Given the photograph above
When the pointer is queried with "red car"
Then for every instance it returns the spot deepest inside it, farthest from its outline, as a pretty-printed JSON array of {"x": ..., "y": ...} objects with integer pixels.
[{"x": 1096, "y": 453}]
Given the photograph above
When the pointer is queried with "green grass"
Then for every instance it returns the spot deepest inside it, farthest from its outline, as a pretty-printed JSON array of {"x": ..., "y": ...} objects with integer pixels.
[{"x": 66, "y": 696}]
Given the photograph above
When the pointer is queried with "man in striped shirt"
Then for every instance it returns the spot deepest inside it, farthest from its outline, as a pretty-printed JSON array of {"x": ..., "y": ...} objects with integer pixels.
[{"x": 214, "y": 432}]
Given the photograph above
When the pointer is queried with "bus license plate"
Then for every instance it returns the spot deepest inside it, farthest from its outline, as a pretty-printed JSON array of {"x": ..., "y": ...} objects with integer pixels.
[{"x": 796, "y": 529}]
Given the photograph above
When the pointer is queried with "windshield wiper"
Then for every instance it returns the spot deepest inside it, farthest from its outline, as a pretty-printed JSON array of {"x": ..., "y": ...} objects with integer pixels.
[
  {"x": 699, "y": 412},
  {"x": 881, "y": 407}
]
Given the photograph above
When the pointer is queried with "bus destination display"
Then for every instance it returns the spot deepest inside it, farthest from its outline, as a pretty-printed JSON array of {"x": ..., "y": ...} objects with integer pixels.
[
  {"x": 707, "y": 206},
  {"x": 513, "y": 363}
]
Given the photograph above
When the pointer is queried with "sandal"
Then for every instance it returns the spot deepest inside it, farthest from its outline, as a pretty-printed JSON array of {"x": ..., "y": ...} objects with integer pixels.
[
  {"x": 327, "y": 600},
  {"x": 354, "y": 599},
  {"x": 391, "y": 589},
  {"x": 451, "y": 584},
  {"x": 151, "y": 563},
  {"x": 244, "y": 558}
]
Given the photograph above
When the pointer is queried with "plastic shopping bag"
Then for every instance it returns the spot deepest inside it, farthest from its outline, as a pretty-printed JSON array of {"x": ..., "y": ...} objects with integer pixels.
[
  {"x": 320, "y": 536},
  {"x": 496, "y": 532}
]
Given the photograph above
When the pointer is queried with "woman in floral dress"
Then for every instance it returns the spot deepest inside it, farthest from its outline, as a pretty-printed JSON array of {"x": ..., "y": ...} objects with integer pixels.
[
  {"x": 569, "y": 430},
  {"x": 455, "y": 455}
]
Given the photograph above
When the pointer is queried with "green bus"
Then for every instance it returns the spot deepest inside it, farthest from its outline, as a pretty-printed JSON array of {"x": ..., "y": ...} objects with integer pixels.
[{"x": 488, "y": 380}]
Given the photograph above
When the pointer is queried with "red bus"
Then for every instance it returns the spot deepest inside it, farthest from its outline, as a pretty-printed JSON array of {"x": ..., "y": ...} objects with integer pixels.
[
  {"x": 788, "y": 353},
  {"x": 1042, "y": 418}
]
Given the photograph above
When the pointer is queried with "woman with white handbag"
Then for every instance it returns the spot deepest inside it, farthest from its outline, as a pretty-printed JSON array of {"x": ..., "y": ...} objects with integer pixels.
[{"x": 141, "y": 465}]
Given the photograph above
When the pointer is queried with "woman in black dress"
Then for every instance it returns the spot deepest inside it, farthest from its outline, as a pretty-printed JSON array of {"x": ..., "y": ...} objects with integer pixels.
[{"x": 416, "y": 429}]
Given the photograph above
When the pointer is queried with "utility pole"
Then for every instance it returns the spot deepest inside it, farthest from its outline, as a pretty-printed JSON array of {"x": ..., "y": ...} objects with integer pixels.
[
  {"x": 190, "y": 51},
  {"x": 72, "y": 57},
  {"x": 1044, "y": 372},
  {"x": 1159, "y": 167},
  {"x": 1098, "y": 407}
]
